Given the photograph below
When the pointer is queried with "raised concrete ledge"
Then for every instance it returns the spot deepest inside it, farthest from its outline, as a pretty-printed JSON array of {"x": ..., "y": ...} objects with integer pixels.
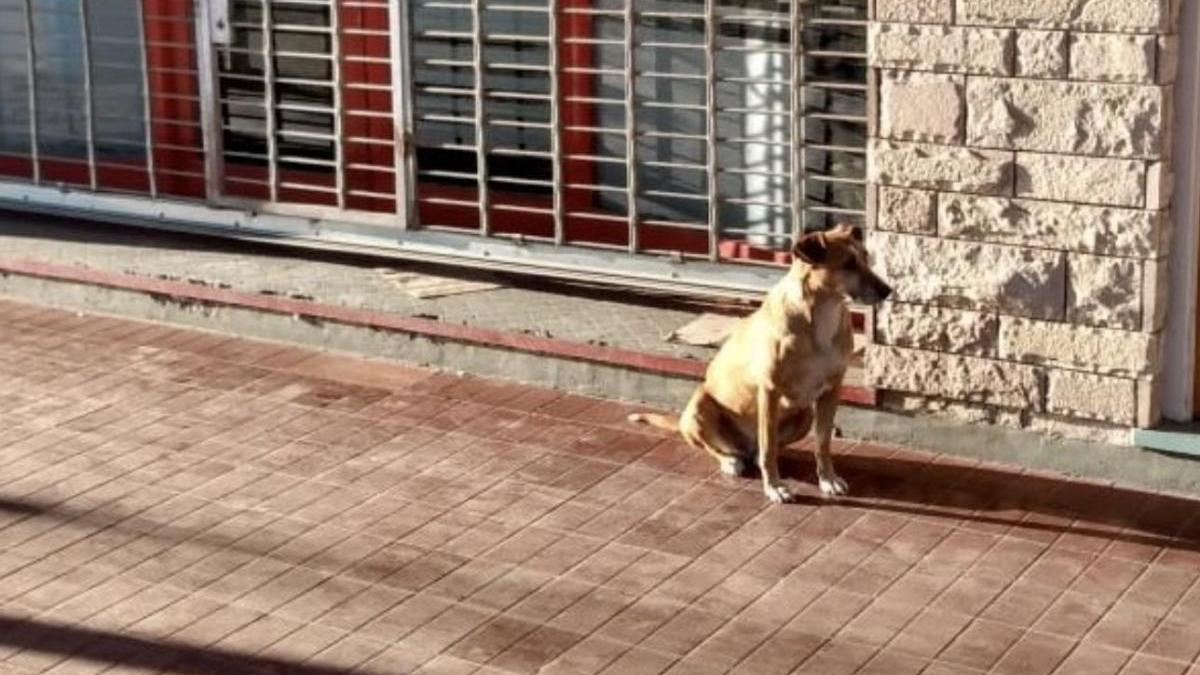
[{"x": 274, "y": 318}]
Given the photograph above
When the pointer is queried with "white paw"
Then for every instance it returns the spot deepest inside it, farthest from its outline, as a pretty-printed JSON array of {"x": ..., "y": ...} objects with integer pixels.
[
  {"x": 778, "y": 494},
  {"x": 732, "y": 466},
  {"x": 833, "y": 486}
]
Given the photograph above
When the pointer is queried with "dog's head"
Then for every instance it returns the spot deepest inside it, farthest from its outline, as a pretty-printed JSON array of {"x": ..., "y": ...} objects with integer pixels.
[{"x": 839, "y": 264}]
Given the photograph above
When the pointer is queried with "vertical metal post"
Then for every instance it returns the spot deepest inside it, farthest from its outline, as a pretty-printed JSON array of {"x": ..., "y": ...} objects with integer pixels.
[
  {"x": 399, "y": 22},
  {"x": 631, "y": 170},
  {"x": 267, "y": 26},
  {"x": 147, "y": 107},
  {"x": 210, "y": 118},
  {"x": 339, "y": 102},
  {"x": 88, "y": 92},
  {"x": 710, "y": 122},
  {"x": 481, "y": 137},
  {"x": 31, "y": 55},
  {"x": 797, "y": 159},
  {"x": 556, "y": 129}
]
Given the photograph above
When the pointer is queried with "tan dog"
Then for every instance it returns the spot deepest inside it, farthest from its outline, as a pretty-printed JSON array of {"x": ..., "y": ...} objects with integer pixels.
[{"x": 781, "y": 362}]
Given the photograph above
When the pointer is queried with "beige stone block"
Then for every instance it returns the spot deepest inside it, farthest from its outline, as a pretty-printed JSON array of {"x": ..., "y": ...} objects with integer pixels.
[
  {"x": 1160, "y": 185},
  {"x": 1103, "y": 230},
  {"x": 1086, "y": 180},
  {"x": 937, "y": 329},
  {"x": 1149, "y": 399},
  {"x": 1112, "y": 57},
  {"x": 915, "y": 11},
  {"x": 1167, "y": 59},
  {"x": 1132, "y": 16},
  {"x": 961, "y": 378},
  {"x": 940, "y": 167},
  {"x": 970, "y": 413},
  {"x": 904, "y": 210},
  {"x": 1095, "y": 397},
  {"x": 1041, "y": 53},
  {"x": 1064, "y": 345},
  {"x": 922, "y": 106},
  {"x": 950, "y": 49},
  {"x": 969, "y": 275},
  {"x": 1104, "y": 291},
  {"x": 1116, "y": 120},
  {"x": 1156, "y": 294}
]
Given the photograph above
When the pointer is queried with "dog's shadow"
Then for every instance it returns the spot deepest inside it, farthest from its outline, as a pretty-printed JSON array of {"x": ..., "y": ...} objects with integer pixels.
[{"x": 999, "y": 499}]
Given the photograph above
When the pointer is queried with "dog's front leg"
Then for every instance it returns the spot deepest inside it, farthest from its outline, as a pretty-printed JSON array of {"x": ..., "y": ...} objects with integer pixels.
[
  {"x": 768, "y": 445},
  {"x": 830, "y": 483}
]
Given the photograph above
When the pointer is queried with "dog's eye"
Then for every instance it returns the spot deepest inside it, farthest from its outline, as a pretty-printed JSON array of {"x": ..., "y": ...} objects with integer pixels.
[{"x": 850, "y": 264}]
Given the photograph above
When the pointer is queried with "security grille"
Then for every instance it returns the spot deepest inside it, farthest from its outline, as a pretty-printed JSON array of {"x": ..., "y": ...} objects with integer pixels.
[
  {"x": 101, "y": 96},
  {"x": 683, "y": 126},
  {"x": 711, "y": 129},
  {"x": 306, "y": 104}
]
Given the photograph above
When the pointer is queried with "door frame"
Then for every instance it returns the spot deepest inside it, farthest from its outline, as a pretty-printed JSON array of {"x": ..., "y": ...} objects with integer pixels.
[{"x": 1181, "y": 353}]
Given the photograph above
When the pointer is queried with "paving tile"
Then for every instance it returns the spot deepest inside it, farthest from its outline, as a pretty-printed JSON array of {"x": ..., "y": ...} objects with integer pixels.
[
  {"x": 837, "y": 658},
  {"x": 1090, "y": 658},
  {"x": 538, "y": 648},
  {"x": 492, "y": 639},
  {"x": 1021, "y": 604},
  {"x": 1034, "y": 654},
  {"x": 683, "y": 632},
  {"x": 1126, "y": 625},
  {"x": 930, "y": 632},
  {"x": 1072, "y": 614},
  {"x": 586, "y": 657},
  {"x": 891, "y": 662},
  {"x": 1173, "y": 639},
  {"x": 639, "y": 662},
  {"x": 981, "y": 644},
  {"x": 1144, "y": 664}
]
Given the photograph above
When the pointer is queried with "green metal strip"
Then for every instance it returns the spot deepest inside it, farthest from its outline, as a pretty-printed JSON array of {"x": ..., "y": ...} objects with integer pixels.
[{"x": 1178, "y": 439}]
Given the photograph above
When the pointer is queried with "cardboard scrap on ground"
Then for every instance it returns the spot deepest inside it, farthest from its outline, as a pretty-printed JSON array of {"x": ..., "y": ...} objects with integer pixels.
[
  {"x": 706, "y": 330},
  {"x": 427, "y": 286}
]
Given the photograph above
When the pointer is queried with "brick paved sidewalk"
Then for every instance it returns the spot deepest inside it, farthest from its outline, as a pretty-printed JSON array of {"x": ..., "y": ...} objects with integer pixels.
[{"x": 174, "y": 501}]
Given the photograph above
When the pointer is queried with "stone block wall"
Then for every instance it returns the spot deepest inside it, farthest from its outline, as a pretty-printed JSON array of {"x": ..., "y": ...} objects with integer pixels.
[{"x": 1020, "y": 176}]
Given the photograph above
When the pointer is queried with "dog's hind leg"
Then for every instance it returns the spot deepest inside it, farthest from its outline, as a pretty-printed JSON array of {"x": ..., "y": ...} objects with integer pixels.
[{"x": 700, "y": 425}]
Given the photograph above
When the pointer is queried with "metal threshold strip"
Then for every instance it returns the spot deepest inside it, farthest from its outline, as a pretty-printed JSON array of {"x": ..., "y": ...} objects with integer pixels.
[
  {"x": 662, "y": 274},
  {"x": 1175, "y": 439}
]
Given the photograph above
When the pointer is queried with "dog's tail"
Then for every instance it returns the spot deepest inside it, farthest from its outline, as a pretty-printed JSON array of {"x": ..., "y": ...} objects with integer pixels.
[{"x": 665, "y": 422}]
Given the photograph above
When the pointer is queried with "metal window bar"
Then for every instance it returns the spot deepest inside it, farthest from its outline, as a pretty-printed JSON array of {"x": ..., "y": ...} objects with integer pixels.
[
  {"x": 269, "y": 106},
  {"x": 89, "y": 115},
  {"x": 147, "y": 107},
  {"x": 710, "y": 127},
  {"x": 631, "y": 147},
  {"x": 339, "y": 107},
  {"x": 481, "y": 120},
  {"x": 797, "y": 158},
  {"x": 31, "y": 59},
  {"x": 556, "y": 166}
]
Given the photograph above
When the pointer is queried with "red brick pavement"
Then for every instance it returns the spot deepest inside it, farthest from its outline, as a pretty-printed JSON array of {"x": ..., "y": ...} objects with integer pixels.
[{"x": 176, "y": 501}]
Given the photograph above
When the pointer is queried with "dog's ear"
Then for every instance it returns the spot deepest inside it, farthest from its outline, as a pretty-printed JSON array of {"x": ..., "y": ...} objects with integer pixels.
[{"x": 811, "y": 248}]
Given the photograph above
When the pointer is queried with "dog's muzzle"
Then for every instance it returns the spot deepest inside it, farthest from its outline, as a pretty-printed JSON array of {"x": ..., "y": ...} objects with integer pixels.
[
  {"x": 874, "y": 291},
  {"x": 882, "y": 290}
]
